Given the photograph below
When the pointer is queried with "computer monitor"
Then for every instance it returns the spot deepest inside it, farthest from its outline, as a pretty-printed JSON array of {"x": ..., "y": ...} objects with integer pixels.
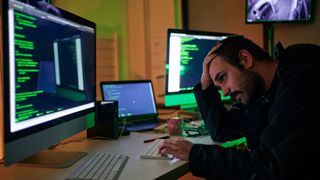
[
  {"x": 267, "y": 11},
  {"x": 137, "y": 105},
  {"x": 49, "y": 77},
  {"x": 186, "y": 51}
]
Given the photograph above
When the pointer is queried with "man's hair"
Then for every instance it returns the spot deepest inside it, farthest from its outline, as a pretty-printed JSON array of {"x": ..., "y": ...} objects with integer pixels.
[{"x": 232, "y": 45}]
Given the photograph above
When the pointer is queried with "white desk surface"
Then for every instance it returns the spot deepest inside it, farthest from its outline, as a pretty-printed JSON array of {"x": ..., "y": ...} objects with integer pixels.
[{"x": 131, "y": 145}]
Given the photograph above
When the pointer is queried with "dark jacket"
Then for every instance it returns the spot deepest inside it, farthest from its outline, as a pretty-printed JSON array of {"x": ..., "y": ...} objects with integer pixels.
[{"x": 282, "y": 127}]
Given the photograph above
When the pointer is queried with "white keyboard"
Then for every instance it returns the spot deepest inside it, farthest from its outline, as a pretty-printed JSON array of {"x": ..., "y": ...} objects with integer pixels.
[
  {"x": 101, "y": 165},
  {"x": 153, "y": 151}
]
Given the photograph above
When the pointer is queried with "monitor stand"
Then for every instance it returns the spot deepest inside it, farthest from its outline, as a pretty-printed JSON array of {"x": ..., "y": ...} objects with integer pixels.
[
  {"x": 189, "y": 107},
  {"x": 53, "y": 159},
  {"x": 190, "y": 110}
]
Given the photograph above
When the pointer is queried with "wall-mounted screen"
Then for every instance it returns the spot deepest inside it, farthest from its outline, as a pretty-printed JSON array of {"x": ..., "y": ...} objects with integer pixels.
[{"x": 262, "y": 11}]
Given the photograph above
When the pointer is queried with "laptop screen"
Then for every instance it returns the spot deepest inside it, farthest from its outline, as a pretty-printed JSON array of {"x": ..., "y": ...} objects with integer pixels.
[{"x": 135, "y": 98}]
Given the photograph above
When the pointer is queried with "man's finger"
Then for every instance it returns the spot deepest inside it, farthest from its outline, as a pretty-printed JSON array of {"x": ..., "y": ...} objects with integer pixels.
[
  {"x": 214, "y": 49},
  {"x": 211, "y": 55}
]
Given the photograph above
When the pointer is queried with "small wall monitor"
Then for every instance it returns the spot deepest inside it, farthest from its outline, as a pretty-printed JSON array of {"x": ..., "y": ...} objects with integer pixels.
[{"x": 264, "y": 11}]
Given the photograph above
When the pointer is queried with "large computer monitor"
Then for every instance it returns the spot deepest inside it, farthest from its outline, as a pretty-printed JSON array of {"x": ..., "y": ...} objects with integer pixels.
[
  {"x": 186, "y": 51},
  {"x": 49, "y": 77}
]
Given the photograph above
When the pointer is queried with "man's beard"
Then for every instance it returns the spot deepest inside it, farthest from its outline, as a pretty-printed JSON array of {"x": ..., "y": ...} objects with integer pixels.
[{"x": 251, "y": 85}]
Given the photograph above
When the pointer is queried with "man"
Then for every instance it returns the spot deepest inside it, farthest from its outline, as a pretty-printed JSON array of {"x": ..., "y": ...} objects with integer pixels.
[{"x": 276, "y": 109}]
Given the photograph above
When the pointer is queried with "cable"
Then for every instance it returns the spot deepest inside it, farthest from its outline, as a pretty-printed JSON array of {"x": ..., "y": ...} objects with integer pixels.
[{"x": 124, "y": 125}]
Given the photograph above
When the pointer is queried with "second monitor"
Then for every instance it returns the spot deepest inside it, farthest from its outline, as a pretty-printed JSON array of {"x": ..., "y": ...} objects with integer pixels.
[
  {"x": 186, "y": 51},
  {"x": 137, "y": 106}
]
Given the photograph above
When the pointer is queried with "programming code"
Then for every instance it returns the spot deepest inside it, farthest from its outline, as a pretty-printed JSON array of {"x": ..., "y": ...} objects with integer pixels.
[
  {"x": 49, "y": 70},
  {"x": 193, "y": 52}
]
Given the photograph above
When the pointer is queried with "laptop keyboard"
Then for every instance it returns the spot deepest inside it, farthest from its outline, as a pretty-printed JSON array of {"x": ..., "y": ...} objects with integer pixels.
[
  {"x": 140, "y": 126},
  {"x": 101, "y": 165}
]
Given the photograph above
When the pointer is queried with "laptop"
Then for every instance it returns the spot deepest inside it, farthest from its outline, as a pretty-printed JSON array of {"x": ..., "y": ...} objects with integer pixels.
[{"x": 137, "y": 106}]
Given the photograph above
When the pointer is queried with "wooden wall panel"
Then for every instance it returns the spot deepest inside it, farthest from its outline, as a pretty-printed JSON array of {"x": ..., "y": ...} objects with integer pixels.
[
  {"x": 147, "y": 35},
  {"x": 107, "y": 61}
]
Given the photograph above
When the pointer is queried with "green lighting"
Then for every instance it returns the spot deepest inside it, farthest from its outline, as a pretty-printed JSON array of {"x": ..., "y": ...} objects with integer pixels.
[
  {"x": 20, "y": 36},
  {"x": 17, "y": 14},
  {"x": 28, "y": 25},
  {"x": 90, "y": 120},
  {"x": 235, "y": 143},
  {"x": 23, "y": 107},
  {"x": 18, "y": 27},
  {"x": 23, "y": 54},
  {"x": 23, "y": 59},
  {"x": 184, "y": 39}
]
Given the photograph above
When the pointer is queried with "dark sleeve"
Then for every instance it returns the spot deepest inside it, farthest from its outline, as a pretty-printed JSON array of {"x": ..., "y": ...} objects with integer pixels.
[
  {"x": 210, "y": 162},
  {"x": 223, "y": 124},
  {"x": 214, "y": 162},
  {"x": 293, "y": 130}
]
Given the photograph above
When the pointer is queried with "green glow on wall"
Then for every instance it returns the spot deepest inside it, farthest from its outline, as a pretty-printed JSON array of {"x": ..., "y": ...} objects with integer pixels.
[
  {"x": 177, "y": 13},
  {"x": 110, "y": 17}
]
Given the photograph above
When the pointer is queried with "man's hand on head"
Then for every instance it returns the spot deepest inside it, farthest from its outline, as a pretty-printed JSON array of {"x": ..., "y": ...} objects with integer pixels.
[{"x": 205, "y": 77}]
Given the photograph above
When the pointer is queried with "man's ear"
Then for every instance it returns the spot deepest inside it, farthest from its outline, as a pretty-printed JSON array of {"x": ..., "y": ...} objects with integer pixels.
[{"x": 246, "y": 59}]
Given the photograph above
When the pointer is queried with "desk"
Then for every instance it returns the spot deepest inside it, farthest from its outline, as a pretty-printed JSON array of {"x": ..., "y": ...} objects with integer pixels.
[{"x": 135, "y": 168}]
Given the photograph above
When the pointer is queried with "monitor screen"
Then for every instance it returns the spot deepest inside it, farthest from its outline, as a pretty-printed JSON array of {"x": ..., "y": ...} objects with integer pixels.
[
  {"x": 49, "y": 76},
  {"x": 135, "y": 99},
  {"x": 278, "y": 11},
  {"x": 186, "y": 51}
]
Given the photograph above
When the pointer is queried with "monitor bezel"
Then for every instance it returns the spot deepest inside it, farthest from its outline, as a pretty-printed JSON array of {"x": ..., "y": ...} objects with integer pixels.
[{"x": 17, "y": 136}]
